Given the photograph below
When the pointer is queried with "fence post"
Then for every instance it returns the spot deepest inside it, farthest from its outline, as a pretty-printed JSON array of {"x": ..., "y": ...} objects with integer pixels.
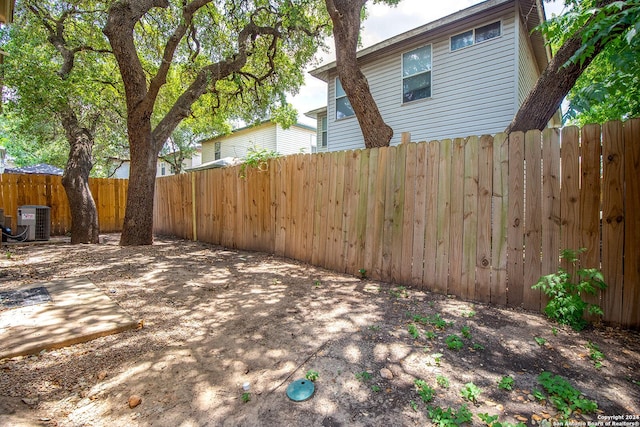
[
  {"x": 405, "y": 137},
  {"x": 193, "y": 206}
]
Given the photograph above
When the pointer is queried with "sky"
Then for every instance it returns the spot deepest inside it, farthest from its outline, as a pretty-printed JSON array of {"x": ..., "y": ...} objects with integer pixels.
[{"x": 382, "y": 23}]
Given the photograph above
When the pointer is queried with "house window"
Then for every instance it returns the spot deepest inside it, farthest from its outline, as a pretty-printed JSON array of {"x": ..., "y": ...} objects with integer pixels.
[
  {"x": 416, "y": 74},
  {"x": 477, "y": 35},
  {"x": 323, "y": 133},
  {"x": 163, "y": 169},
  {"x": 343, "y": 106},
  {"x": 217, "y": 150}
]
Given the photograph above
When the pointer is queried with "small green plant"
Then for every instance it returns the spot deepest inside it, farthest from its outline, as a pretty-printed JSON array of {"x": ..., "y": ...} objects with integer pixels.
[
  {"x": 317, "y": 283},
  {"x": 363, "y": 376},
  {"x": 538, "y": 394},
  {"x": 312, "y": 375},
  {"x": 246, "y": 396},
  {"x": 595, "y": 354},
  {"x": 413, "y": 405},
  {"x": 554, "y": 331},
  {"x": 425, "y": 392},
  {"x": 430, "y": 335},
  {"x": 471, "y": 392},
  {"x": 492, "y": 421},
  {"x": 375, "y": 388},
  {"x": 257, "y": 158},
  {"x": 466, "y": 332},
  {"x": 470, "y": 313},
  {"x": 399, "y": 292},
  {"x": 566, "y": 304},
  {"x": 363, "y": 273},
  {"x": 374, "y": 327},
  {"x": 478, "y": 347},
  {"x": 8, "y": 254},
  {"x": 437, "y": 358},
  {"x": 453, "y": 342},
  {"x": 541, "y": 341},
  {"x": 442, "y": 381},
  {"x": 450, "y": 417},
  {"x": 506, "y": 383},
  {"x": 438, "y": 322},
  {"x": 564, "y": 396},
  {"x": 413, "y": 331}
]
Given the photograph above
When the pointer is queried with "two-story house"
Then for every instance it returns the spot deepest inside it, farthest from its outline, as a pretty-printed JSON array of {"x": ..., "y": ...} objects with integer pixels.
[{"x": 461, "y": 75}]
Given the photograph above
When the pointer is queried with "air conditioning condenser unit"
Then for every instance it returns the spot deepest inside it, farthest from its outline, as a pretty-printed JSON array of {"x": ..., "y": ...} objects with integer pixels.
[{"x": 35, "y": 221}]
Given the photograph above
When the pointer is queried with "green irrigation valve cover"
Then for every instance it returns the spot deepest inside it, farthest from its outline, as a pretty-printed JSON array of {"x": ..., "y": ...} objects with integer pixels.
[{"x": 300, "y": 390}]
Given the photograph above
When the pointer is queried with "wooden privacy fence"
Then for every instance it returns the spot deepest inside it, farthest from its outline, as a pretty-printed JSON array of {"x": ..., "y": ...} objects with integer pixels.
[
  {"x": 481, "y": 217},
  {"x": 27, "y": 189}
]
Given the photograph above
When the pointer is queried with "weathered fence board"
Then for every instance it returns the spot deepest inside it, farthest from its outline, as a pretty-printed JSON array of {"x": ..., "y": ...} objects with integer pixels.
[{"x": 482, "y": 217}]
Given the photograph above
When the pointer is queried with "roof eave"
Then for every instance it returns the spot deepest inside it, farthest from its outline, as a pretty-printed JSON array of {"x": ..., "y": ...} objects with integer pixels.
[{"x": 323, "y": 72}]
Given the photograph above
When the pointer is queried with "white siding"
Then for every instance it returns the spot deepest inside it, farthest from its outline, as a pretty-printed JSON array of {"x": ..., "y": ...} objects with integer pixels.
[
  {"x": 528, "y": 72},
  {"x": 473, "y": 89},
  {"x": 268, "y": 136},
  {"x": 294, "y": 140},
  {"x": 237, "y": 144}
]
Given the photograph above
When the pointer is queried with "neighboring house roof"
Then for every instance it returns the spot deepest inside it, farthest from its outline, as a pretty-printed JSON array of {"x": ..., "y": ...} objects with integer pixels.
[
  {"x": 317, "y": 112},
  {"x": 220, "y": 163},
  {"x": 40, "y": 169},
  {"x": 532, "y": 9}
]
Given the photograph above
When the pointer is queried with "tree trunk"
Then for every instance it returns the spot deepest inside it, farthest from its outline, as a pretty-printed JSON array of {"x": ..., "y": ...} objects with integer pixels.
[
  {"x": 138, "y": 216},
  {"x": 84, "y": 214},
  {"x": 555, "y": 82},
  {"x": 345, "y": 15}
]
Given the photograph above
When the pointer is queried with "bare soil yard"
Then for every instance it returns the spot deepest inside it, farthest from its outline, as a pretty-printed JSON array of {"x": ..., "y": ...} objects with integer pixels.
[{"x": 216, "y": 318}]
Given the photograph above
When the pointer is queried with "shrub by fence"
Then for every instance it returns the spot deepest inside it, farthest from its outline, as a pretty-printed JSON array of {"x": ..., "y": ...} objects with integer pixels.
[
  {"x": 481, "y": 218},
  {"x": 26, "y": 189}
]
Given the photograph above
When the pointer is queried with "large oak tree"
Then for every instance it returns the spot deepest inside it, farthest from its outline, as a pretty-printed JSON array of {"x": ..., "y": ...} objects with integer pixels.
[
  {"x": 247, "y": 52},
  {"x": 56, "y": 71}
]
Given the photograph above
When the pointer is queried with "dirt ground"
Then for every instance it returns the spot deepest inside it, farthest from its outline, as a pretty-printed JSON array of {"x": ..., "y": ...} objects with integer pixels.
[{"x": 216, "y": 318}]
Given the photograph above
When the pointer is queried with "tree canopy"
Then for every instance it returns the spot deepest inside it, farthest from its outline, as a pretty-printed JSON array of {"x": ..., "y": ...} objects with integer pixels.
[
  {"x": 591, "y": 27},
  {"x": 609, "y": 89}
]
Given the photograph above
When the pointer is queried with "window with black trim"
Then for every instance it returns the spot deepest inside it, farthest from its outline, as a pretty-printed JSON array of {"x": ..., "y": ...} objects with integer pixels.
[
  {"x": 217, "y": 151},
  {"x": 343, "y": 106},
  {"x": 416, "y": 74},
  {"x": 477, "y": 35}
]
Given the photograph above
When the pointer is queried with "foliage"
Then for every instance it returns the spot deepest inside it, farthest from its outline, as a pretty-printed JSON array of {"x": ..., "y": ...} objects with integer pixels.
[
  {"x": 257, "y": 158},
  {"x": 466, "y": 332},
  {"x": 363, "y": 376},
  {"x": 453, "y": 342},
  {"x": 246, "y": 397},
  {"x": 564, "y": 396},
  {"x": 492, "y": 421},
  {"x": 566, "y": 305},
  {"x": 506, "y": 383},
  {"x": 540, "y": 341},
  {"x": 442, "y": 381},
  {"x": 609, "y": 87},
  {"x": 312, "y": 375},
  {"x": 399, "y": 292},
  {"x": 450, "y": 417},
  {"x": 595, "y": 354},
  {"x": 40, "y": 87},
  {"x": 471, "y": 392},
  {"x": 425, "y": 392},
  {"x": 413, "y": 331}
]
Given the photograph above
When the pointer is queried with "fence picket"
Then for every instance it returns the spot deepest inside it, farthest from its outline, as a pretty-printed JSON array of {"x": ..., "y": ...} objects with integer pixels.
[
  {"x": 613, "y": 220},
  {"x": 631, "y": 290},
  {"x": 533, "y": 219},
  {"x": 515, "y": 234}
]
